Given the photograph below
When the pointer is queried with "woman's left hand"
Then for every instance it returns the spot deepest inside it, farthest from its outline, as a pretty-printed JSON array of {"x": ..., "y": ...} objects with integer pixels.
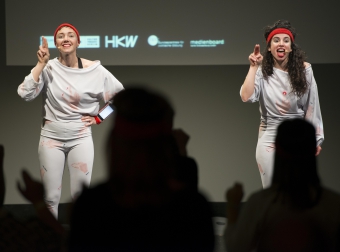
[
  {"x": 318, "y": 150},
  {"x": 89, "y": 120}
]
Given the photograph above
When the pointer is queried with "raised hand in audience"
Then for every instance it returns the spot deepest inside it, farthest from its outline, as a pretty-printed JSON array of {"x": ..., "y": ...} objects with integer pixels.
[
  {"x": 234, "y": 196},
  {"x": 34, "y": 192}
]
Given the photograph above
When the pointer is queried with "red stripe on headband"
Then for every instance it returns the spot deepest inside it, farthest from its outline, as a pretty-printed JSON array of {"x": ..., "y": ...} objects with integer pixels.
[
  {"x": 278, "y": 31},
  {"x": 68, "y": 25}
]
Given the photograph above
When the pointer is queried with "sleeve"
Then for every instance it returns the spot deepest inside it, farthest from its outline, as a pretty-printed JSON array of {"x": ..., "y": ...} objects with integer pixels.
[
  {"x": 111, "y": 87},
  {"x": 312, "y": 108},
  {"x": 257, "y": 88},
  {"x": 30, "y": 89},
  {"x": 245, "y": 233}
]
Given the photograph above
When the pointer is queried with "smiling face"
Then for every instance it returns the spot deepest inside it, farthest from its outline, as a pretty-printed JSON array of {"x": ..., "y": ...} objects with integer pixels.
[
  {"x": 280, "y": 47},
  {"x": 66, "y": 40}
]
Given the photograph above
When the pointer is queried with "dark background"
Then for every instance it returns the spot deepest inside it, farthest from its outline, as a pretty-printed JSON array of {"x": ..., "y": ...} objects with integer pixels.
[{"x": 239, "y": 23}]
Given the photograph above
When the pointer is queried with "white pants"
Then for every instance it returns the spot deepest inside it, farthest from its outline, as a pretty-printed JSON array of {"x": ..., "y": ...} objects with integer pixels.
[
  {"x": 265, "y": 151},
  {"x": 77, "y": 153}
]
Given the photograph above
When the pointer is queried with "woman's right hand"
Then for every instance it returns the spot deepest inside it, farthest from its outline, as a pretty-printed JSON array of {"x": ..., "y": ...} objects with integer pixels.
[
  {"x": 256, "y": 58},
  {"x": 43, "y": 52}
]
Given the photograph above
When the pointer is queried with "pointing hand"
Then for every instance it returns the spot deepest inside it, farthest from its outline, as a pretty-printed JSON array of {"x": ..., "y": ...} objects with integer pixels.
[
  {"x": 43, "y": 52},
  {"x": 256, "y": 58}
]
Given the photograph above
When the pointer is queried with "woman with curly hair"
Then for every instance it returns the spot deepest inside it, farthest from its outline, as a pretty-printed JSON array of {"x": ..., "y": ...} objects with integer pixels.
[{"x": 284, "y": 85}]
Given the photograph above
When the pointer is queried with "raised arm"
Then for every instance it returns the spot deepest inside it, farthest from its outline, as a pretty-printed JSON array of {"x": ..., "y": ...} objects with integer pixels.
[
  {"x": 31, "y": 87},
  {"x": 43, "y": 55},
  {"x": 255, "y": 59}
]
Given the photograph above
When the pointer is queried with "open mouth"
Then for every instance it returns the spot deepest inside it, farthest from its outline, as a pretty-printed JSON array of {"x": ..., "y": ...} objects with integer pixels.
[{"x": 281, "y": 53}]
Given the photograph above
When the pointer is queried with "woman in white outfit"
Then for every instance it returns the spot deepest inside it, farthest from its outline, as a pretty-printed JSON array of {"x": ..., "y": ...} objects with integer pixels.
[
  {"x": 72, "y": 88},
  {"x": 297, "y": 212},
  {"x": 284, "y": 85}
]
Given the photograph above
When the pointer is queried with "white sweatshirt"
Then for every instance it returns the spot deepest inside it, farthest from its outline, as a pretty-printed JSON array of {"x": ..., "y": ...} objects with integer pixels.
[{"x": 69, "y": 93}]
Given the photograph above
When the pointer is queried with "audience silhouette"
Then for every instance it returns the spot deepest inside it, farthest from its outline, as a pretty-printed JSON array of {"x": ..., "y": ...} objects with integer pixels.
[
  {"x": 150, "y": 200},
  {"x": 39, "y": 233},
  {"x": 296, "y": 213},
  {"x": 148, "y": 203}
]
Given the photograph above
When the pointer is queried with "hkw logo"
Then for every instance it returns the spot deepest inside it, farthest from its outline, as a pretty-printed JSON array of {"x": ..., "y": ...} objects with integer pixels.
[{"x": 125, "y": 41}]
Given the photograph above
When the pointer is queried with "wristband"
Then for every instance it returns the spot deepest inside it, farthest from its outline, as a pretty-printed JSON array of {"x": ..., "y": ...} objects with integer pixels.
[{"x": 98, "y": 121}]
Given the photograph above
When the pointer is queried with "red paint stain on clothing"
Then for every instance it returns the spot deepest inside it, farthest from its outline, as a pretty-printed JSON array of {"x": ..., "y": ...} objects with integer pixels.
[
  {"x": 83, "y": 130},
  {"x": 309, "y": 113},
  {"x": 270, "y": 148},
  {"x": 108, "y": 96},
  {"x": 319, "y": 130},
  {"x": 22, "y": 86},
  {"x": 42, "y": 172},
  {"x": 49, "y": 207},
  {"x": 73, "y": 98},
  {"x": 51, "y": 144},
  {"x": 283, "y": 106},
  {"x": 260, "y": 168},
  {"x": 80, "y": 166}
]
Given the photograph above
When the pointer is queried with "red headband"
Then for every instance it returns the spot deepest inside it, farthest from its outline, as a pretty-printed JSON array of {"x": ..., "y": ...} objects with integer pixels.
[
  {"x": 68, "y": 25},
  {"x": 278, "y": 31}
]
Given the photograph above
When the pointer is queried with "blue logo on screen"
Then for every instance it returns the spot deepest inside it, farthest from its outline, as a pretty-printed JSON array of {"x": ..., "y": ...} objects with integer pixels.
[{"x": 153, "y": 40}]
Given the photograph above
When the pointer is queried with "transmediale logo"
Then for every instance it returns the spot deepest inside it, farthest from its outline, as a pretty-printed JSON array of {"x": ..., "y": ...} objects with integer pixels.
[{"x": 153, "y": 40}]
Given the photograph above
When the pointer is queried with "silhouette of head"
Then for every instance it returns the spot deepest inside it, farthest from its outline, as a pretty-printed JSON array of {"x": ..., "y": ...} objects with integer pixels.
[
  {"x": 295, "y": 167},
  {"x": 141, "y": 150}
]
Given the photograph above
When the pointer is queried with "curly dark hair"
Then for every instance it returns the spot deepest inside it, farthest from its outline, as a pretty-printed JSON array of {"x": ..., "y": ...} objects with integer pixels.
[{"x": 295, "y": 64}]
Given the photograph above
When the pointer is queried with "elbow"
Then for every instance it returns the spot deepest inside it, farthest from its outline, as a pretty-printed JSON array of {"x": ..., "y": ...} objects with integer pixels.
[
  {"x": 26, "y": 97},
  {"x": 22, "y": 96},
  {"x": 243, "y": 94},
  {"x": 244, "y": 98}
]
